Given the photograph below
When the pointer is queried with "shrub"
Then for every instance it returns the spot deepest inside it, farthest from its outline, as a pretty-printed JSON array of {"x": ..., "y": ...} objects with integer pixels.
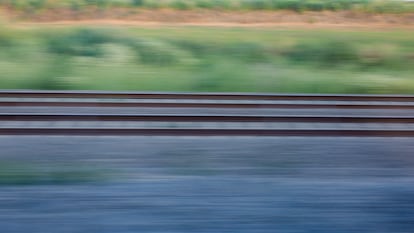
[
  {"x": 180, "y": 5},
  {"x": 247, "y": 51},
  {"x": 196, "y": 48},
  {"x": 37, "y": 4},
  {"x": 156, "y": 53},
  {"x": 153, "y": 4},
  {"x": 288, "y": 5},
  {"x": 385, "y": 7},
  {"x": 315, "y": 5},
  {"x": 256, "y": 4},
  {"x": 329, "y": 53},
  {"x": 83, "y": 42},
  {"x": 296, "y": 5},
  {"x": 7, "y": 36},
  {"x": 220, "y": 74},
  {"x": 380, "y": 55},
  {"x": 214, "y": 4},
  {"x": 205, "y": 4},
  {"x": 137, "y": 2}
]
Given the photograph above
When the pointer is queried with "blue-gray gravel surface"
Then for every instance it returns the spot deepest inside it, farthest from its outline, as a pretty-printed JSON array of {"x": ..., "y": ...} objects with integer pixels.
[{"x": 213, "y": 185}]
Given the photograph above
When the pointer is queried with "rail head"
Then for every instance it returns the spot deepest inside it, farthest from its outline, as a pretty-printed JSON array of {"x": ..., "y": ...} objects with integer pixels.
[
  {"x": 203, "y": 132},
  {"x": 199, "y": 96},
  {"x": 205, "y": 118}
]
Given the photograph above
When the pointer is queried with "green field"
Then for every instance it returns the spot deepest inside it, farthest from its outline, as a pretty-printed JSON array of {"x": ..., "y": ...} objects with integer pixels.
[
  {"x": 207, "y": 59},
  {"x": 296, "y": 5}
]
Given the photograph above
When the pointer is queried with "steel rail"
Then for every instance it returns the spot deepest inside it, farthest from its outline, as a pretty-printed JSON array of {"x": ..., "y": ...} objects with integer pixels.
[
  {"x": 205, "y": 118},
  {"x": 204, "y": 132},
  {"x": 239, "y": 100},
  {"x": 202, "y": 105},
  {"x": 205, "y": 96}
]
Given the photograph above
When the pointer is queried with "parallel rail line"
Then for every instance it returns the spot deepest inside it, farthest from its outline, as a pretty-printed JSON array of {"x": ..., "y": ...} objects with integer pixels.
[
  {"x": 201, "y": 105},
  {"x": 204, "y": 96},
  {"x": 384, "y": 126},
  {"x": 205, "y": 132},
  {"x": 205, "y": 118}
]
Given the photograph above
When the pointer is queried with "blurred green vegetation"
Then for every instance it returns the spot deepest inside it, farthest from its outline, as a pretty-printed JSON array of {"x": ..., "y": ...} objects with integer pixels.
[
  {"x": 207, "y": 59},
  {"x": 23, "y": 173},
  {"x": 380, "y": 6}
]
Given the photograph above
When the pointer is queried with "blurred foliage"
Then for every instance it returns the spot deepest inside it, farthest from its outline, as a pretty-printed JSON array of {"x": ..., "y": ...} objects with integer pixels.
[
  {"x": 23, "y": 173},
  {"x": 246, "y": 51},
  {"x": 155, "y": 52},
  {"x": 7, "y": 36},
  {"x": 296, "y": 5},
  {"x": 207, "y": 59},
  {"x": 331, "y": 52},
  {"x": 83, "y": 42}
]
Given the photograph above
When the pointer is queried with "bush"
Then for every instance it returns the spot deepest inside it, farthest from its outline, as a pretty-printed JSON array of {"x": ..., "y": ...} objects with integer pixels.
[
  {"x": 247, "y": 51},
  {"x": 218, "y": 74},
  {"x": 137, "y": 2},
  {"x": 27, "y": 5},
  {"x": 296, "y": 5},
  {"x": 7, "y": 36},
  {"x": 315, "y": 5},
  {"x": 197, "y": 49},
  {"x": 329, "y": 53},
  {"x": 205, "y": 4},
  {"x": 288, "y": 5},
  {"x": 153, "y": 4},
  {"x": 180, "y": 5},
  {"x": 380, "y": 55},
  {"x": 256, "y": 4},
  {"x": 37, "y": 4},
  {"x": 385, "y": 7},
  {"x": 156, "y": 53},
  {"x": 83, "y": 42}
]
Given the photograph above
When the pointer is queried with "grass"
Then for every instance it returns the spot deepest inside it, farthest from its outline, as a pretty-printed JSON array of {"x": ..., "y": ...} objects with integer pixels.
[
  {"x": 378, "y": 6},
  {"x": 207, "y": 59}
]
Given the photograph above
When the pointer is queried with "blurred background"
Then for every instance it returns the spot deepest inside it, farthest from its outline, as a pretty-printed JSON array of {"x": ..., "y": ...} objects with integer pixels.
[
  {"x": 109, "y": 184},
  {"x": 309, "y": 46}
]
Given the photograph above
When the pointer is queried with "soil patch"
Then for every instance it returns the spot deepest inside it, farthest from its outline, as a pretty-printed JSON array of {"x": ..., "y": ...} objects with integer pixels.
[{"x": 146, "y": 17}]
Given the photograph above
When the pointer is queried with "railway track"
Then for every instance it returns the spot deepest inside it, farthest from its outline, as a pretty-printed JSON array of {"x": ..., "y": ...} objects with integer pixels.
[
  {"x": 27, "y": 122},
  {"x": 204, "y": 118},
  {"x": 153, "y": 104},
  {"x": 202, "y": 96}
]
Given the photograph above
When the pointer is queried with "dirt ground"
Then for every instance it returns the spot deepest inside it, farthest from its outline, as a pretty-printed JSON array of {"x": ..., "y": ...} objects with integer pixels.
[{"x": 145, "y": 17}]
